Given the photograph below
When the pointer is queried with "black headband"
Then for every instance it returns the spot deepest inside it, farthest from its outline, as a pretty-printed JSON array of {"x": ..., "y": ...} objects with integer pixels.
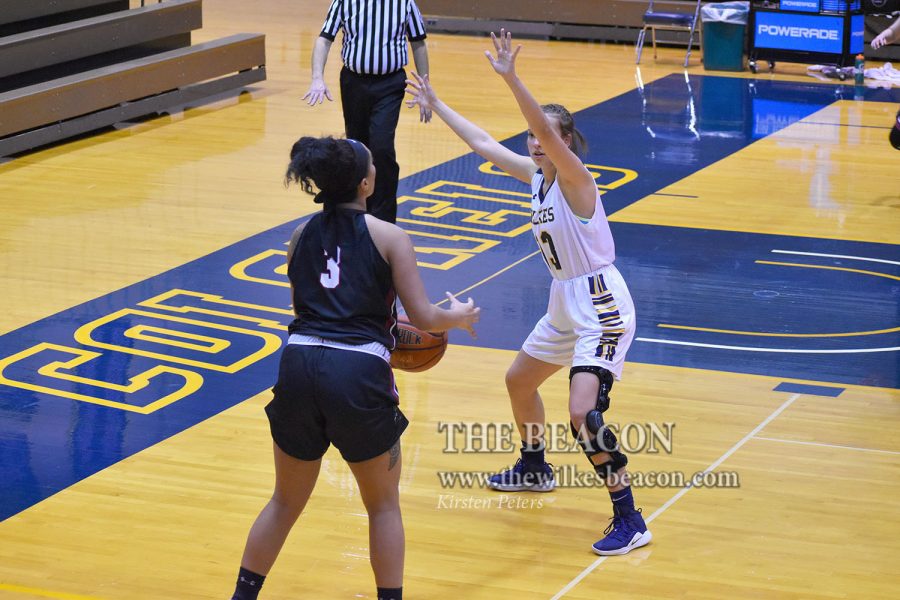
[
  {"x": 360, "y": 170},
  {"x": 362, "y": 161}
]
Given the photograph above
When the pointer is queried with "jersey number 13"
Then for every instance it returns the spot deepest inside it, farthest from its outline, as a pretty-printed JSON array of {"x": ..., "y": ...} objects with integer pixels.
[{"x": 553, "y": 259}]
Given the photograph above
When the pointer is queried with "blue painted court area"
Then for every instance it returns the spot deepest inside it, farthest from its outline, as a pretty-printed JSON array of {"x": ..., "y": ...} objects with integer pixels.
[
  {"x": 87, "y": 387},
  {"x": 728, "y": 301},
  {"x": 809, "y": 390}
]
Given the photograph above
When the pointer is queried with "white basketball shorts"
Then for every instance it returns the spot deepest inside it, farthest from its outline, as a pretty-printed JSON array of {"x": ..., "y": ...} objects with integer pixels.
[{"x": 590, "y": 321}]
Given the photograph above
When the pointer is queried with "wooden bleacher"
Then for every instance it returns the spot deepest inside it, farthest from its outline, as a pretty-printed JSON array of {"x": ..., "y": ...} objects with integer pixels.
[
  {"x": 68, "y": 67},
  {"x": 17, "y": 16}
]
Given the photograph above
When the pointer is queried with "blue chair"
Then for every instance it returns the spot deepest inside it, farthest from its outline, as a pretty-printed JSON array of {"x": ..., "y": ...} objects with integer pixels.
[{"x": 666, "y": 21}]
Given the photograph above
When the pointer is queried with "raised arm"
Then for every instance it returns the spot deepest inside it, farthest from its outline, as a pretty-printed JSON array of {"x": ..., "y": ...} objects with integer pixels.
[
  {"x": 576, "y": 183},
  {"x": 519, "y": 166}
]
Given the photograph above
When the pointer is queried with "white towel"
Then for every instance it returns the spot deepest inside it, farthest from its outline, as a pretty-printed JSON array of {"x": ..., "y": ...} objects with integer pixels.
[{"x": 885, "y": 73}]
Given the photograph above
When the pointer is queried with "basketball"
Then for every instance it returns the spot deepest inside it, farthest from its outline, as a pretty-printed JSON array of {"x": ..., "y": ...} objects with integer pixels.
[{"x": 417, "y": 350}]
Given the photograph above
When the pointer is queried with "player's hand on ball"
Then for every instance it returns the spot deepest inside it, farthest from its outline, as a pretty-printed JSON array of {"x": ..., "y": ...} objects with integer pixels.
[{"x": 467, "y": 312}]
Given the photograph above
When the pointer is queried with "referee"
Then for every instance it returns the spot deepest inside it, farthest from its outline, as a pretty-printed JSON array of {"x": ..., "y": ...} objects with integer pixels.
[{"x": 372, "y": 80}]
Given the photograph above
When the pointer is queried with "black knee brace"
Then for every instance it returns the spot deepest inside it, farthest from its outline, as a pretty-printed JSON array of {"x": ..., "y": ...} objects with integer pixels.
[
  {"x": 594, "y": 418},
  {"x": 605, "y": 442}
]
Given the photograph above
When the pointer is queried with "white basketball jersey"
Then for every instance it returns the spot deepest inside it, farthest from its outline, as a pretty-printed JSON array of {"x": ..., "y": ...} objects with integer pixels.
[{"x": 571, "y": 246}]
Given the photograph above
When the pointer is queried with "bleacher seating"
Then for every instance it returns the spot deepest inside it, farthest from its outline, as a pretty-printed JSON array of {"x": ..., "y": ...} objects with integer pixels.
[{"x": 72, "y": 66}]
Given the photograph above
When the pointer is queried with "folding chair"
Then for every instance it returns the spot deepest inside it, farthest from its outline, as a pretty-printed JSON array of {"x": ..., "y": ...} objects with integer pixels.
[{"x": 666, "y": 21}]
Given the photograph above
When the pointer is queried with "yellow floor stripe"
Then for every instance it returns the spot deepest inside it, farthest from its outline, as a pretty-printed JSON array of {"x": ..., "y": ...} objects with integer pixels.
[
  {"x": 790, "y": 335},
  {"x": 830, "y": 268},
  {"x": 44, "y": 593},
  {"x": 489, "y": 277}
]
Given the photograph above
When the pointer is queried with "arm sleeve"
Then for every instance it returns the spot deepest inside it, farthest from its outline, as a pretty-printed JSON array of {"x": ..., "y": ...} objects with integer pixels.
[
  {"x": 415, "y": 24},
  {"x": 333, "y": 21}
]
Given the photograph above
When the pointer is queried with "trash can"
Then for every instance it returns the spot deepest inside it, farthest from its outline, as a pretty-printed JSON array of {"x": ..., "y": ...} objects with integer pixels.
[{"x": 724, "y": 24}]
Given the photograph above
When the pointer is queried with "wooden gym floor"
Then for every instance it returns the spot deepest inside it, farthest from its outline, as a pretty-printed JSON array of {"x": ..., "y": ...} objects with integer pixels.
[{"x": 756, "y": 222}]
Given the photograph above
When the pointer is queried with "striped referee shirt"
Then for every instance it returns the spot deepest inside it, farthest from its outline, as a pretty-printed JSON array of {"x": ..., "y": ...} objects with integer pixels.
[{"x": 375, "y": 33}]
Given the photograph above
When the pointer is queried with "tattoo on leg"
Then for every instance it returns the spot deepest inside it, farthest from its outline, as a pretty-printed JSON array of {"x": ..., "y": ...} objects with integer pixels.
[{"x": 395, "y": 455}]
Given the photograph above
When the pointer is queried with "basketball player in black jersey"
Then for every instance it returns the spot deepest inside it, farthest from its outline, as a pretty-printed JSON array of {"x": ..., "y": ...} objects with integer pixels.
[{"x": 335, "y": 384}]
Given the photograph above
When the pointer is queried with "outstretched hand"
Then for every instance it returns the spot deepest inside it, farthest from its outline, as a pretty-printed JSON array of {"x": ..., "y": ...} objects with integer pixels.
[
  {"x": 468, "y": 313},
  {"x": 505, "y": 63},
  {"x": 422, "y": 94}
]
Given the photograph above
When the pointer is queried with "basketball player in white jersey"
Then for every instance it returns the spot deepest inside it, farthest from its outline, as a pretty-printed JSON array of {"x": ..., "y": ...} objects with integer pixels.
[{"x": 590, "y": 318}]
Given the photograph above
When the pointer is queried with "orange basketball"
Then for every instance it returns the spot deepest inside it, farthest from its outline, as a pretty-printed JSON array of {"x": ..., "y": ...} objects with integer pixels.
[{"x": 417, "y": 350}]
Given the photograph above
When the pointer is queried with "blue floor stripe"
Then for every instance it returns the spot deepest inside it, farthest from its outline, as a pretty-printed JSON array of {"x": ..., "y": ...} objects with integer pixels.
[{"x": 811, "y": 390}]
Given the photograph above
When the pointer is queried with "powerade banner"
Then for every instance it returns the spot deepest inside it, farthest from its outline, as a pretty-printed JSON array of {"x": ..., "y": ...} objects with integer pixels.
[
  {"x": 845, "y": 6},
  {"x": 806, "y": 33},
  {"x": 771, "y": 116},
  {"x": 800, "y": 5},
  {"x": 857, "y": 27}
]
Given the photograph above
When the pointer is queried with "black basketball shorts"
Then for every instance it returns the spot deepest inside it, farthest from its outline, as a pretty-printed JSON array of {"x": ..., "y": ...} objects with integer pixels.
[{"x": 334, "y": 396}]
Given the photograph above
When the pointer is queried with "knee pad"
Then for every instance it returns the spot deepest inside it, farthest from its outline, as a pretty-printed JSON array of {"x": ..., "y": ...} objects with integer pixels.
[
  {"x": 594, "y": 418},
  {"x": 605, "y": 442}
]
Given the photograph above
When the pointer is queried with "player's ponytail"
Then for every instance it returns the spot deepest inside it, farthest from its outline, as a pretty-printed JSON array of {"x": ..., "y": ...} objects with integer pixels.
[
  {"x": 335, "y": 167},
  {"x": 567, "y": 127}
]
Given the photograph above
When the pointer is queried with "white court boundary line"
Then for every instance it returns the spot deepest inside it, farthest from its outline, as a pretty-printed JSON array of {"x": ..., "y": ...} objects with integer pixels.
[
  {"x": 684, "y": 490},
  {"x": 768, "y": 439},
  {"x": 864, "y": 258},
  {"x": 788, "y": 350},
  {"x": 761, "y": 349}
]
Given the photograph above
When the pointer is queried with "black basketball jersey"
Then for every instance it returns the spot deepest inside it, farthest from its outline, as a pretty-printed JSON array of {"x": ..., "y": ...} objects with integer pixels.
[{"x": 343, "y": 290}]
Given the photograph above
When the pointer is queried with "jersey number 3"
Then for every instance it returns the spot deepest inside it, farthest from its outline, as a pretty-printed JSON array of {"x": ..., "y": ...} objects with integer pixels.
[
  {"x": 554, "y": 259},
  {"x": 331, "y": 278}
]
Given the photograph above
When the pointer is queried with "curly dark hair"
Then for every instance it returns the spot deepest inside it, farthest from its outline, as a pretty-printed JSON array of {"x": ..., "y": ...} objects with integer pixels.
[{"x": 326, "y": 163}]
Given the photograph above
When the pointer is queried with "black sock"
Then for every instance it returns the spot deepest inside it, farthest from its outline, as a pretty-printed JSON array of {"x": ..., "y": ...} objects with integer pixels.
[
  {"x": 390, "y": 593},
  {"x": 248, "y": 585},
  {"x": 533, "y": 454},
  {"x": 622, "y": 500}
]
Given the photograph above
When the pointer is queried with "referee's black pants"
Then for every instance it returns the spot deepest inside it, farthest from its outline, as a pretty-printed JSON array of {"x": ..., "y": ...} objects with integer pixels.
[{"x": 371, "y": 106}]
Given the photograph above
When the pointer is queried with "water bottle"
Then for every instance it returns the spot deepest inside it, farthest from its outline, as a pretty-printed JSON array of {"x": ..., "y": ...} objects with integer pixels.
[{"x": 859, "y": 69}]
